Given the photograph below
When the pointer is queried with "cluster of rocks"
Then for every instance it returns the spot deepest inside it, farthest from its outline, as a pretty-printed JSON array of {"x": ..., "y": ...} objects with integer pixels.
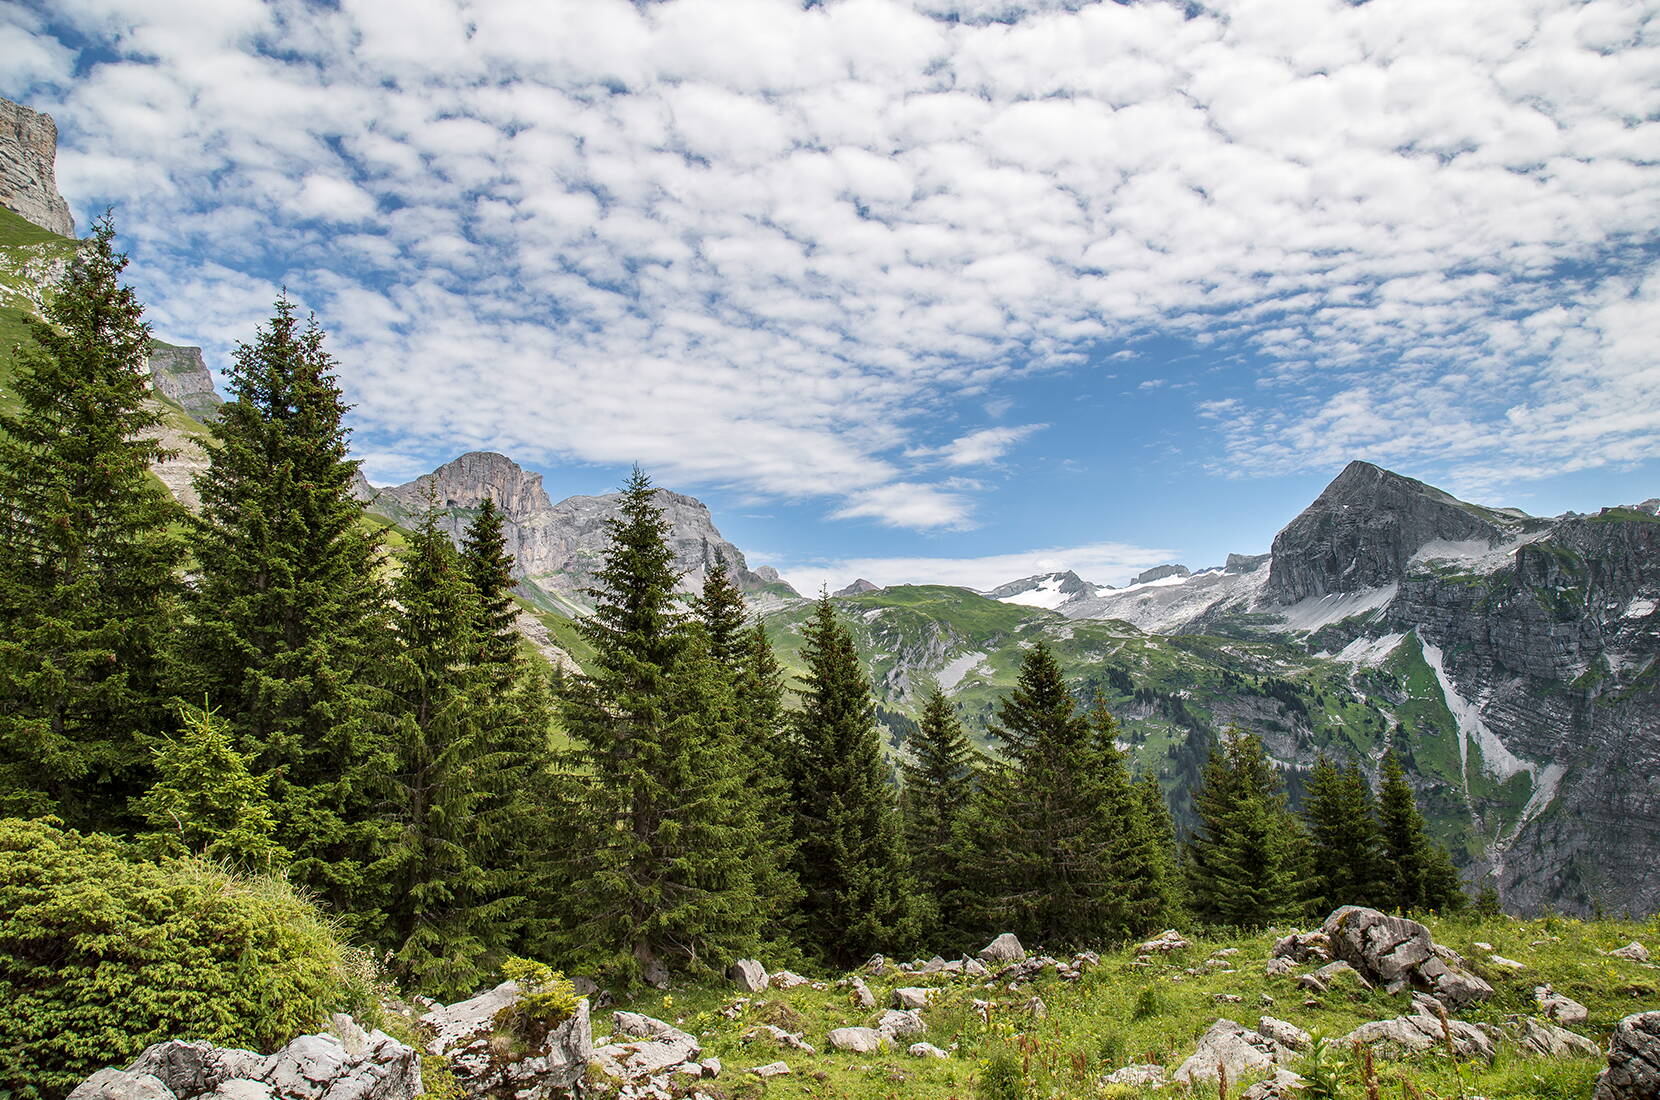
[
  {"x": 343, "y": 1063},
  {"x": 466, "y": 1035}
]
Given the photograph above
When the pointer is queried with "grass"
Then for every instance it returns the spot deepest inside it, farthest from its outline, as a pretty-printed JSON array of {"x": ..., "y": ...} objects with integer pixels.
[{"x": 1120, "y": 1013}]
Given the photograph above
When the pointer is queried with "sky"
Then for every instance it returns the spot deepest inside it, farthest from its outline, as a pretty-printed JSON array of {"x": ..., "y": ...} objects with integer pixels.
[{"x": 954, "y": 290}]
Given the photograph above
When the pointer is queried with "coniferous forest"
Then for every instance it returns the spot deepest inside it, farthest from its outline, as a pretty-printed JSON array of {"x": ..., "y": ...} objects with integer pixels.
[{"x": 264, "y": 701}]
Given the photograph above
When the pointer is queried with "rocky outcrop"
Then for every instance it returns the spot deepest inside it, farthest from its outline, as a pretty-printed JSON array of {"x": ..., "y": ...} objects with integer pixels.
[
  {"x": 1363, "y": 529},
  {"x": 1633, "y": 1071},
  {"x": 181, "y": 375},
  {"x": 557, "y": 547},
  {"x": 28, "y": 181},
  {"x": 486, "y": 1062},
  {"x": 343, "y": 1063},
  {"x": 1159, "y": 572},
  {"x": 1232, "y": 1047},
  {"x": 1397, "y": 953}
]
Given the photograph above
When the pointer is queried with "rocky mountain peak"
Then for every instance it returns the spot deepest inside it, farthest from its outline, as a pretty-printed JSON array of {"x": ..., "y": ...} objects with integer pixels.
[
  {"x": 181, "y": 375},
  {"x": 28, "y": 154},
  {"x": 466, "y": 481},
  {"x": 1363, "y": 529},
  {"x": 1160, "y": 572},
  {"x": 857, "y": 588}
]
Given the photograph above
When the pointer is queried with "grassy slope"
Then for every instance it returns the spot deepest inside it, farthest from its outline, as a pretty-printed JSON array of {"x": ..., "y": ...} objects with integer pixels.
[{"x": 1119, "y": 1014}]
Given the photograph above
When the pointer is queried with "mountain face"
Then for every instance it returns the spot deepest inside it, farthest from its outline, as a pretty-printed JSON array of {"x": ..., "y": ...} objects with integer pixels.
[
  {"x": 28, "y": 153},
  {"x": 1049, "y": 590},
  {"x": 857, "y": 588},
  {"x": 181, "y": 375},
  {"x": 557, "y": 547},
  {"x": 1511, "y": 661}
]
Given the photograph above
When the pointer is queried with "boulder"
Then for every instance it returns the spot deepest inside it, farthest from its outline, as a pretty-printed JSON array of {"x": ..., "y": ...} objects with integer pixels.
[
  {"x": 1279, "y": 967},
  {"x": 900, "y": 1023},
  {"x": 1507, "y": 964},
  {"x": 1145, "y": 1075},
  {"x": 1333, "y": 974},
  {"x": 1036, "y": 1009},
  {"x": 1004, "y": 949},
  {"x": 653, "y": 1047},
  {"x": 1396, "y": 953},
  {"x": 862, "y": 996},
  {"x": 1165, "y": 942},
  {"x": 241, "y": 1090},
  {"x": 776, "y": 1035},
  {"x": 974, "y": 968},
  {"x": 1303, "y": 947},
  {"x": 787, "y": 979},
  {"x": 1633, "y": 1071},
  {"x": 1231, "y": 1046},
  {"x": 1288, "y": 1035},
  {"x": 1634, "y": 951},
  {"x": 118, "y": 1084},
  {"x": 1556, "y": 1006},
  {"x": 1282, "y": 1086},
  {"x": 924, "y": 1050},
  {"x": 911, "y": 997},
  {"x": 190, "y": 1068},
  {"x": 466, "y": 1034},
  {"x": 771, "y": 1069},
  {"x": 313, "y": 1067},
  {"x": 858, "y": 1040},
  {"x": 1547, "y": 1040},
  {"x": 750, "y": 976},
  {"x": 1422, "y": 1032}
]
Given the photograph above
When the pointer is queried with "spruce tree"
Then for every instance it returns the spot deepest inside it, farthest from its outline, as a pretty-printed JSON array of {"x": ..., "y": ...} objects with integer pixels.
[
  {"x": 489, "y": 570},
  {"x": 88, "y": 565},
  {"x": 939, "y": 781},
  {"x": 1421, "y": 872},
  {"x": 1053, "y": 847},
  {"x": 1247, "y": 863},
  {"x": 444, "y": 918},
  {"x": 288, "y": 627},
  {"x": 661, "y": 833},
  {"x": 1347, "y": 847},
  {"x": 1159, "y": 842},
  {"x": 1135, "y": 841},
  {"x": 859, "y": 896},
  {"x": 741, "y": 653},
  {"x": 206, "y": 802}
]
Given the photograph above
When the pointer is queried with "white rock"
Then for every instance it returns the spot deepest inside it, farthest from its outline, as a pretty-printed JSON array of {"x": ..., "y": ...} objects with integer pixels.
[
  {"x": 1508, "y": 964},
  {"x": 912, "y": 997},
  {"x": 118, "y": 1084},
  {"x": 858, "y": 1040},
  {"x": 1165, "y": 942},
  {"x": 1556, "y": 1006},
  {"x": 787, "y": 979},
  {"x": 1004, "y": 949},
  {"x": 1282, "y": 1086},
  {"x": 771, "y": 1069},
  {"x": 1145, "y": 1075},
  {"x": 1237, "y": 1048},
  {"x": 1288, "y": 1035},
  {"x": 750, "y": 976},
  {"x": 900, "y": 1023},
  {"x": 1634, "y": 951},
  {"x": 925, "y": 1050}
]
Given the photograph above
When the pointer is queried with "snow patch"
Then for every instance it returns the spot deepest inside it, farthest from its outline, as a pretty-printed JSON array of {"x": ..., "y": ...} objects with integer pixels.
[
  {"x": 1321, "y": 611},
  {"x": 1496, "y": 756},
  {"x": 957, "y": 668},
  {"x": 1639, "y": 608},
  {"x": 1047, "y": 595},
  {"x": 1369, "y": 652}
]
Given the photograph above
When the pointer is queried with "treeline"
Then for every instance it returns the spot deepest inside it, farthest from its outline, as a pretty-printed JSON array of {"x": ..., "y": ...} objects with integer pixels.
[{"x": 262, "y": 684}]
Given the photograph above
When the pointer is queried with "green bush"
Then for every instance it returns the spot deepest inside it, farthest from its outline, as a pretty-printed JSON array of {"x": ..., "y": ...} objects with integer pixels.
[
  {"x": 103, "y": 953},
  {"x": 546, "y": 999}
]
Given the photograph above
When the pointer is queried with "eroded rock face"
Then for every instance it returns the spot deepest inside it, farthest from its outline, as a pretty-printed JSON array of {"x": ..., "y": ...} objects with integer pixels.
[
  {"x": 1633, "y": 1071},
  {"x": 28, "y": 158},
  {"x": 1361, "y": 532},
  {"x": 181, "y": 375},
  {"x": 1422, "y": 1032},
  {"x": 557, "y": 546},
  {"x": 345, "y": 1063},
  {"x": 466, "y": 1033}
]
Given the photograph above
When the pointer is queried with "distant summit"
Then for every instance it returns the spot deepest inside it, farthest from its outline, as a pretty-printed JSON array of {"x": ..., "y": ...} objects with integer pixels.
[
  {"x": 857, "y": 588},
  {"x": 1046, "y": 590}
]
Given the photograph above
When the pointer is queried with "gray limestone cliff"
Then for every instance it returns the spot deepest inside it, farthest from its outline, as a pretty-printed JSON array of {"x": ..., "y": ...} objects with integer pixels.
[
  {"x": 28, "y": 181},
  {"x": 557, "y": 547},
  {"x": 181, "y": 375},
  {"x": 1363, "y": 529}
]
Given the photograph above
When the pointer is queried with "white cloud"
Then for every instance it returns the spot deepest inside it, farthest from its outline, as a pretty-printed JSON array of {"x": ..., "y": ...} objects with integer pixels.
[
  {"x": 980, "y": 448},
  {"x": 1099, "y": 563},
  {"x": 761, "y": 245}
]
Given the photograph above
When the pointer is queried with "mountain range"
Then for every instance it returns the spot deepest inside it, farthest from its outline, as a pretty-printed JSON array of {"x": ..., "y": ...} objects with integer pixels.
[{"x": 1509, "y": 659}]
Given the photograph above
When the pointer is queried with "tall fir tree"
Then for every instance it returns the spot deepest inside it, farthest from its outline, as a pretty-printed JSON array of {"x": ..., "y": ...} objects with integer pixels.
[
  {"x": 88, "y": 564},
  {"x": 514, "y": 713},
  {"x": 445, "y": 916},
  {"x": 288, "y": 623},
  {"x": 1347, "y": 846},
  {"x": 1421, "y": 872},
  {"x": 1052, "y": 844},
  {"x": 858, "y": 892},
  {"x": 1135, "y": 844},
  {"x": 743, "y": 656},
  {"x": 939, "y": 782},
  {"x": 659, "y": 874},
  {"x": 1159, "y": 842},
  {"x": 1248, "y": 860}
]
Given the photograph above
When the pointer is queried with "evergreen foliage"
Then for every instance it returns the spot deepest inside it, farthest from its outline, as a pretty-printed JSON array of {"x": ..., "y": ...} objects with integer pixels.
[
  {"x": 444, "y": 919},
  {"x": 88, "y": 563},
  {"x": 103, "y": 953},
  {"x": 205, "y": 801},
  {"x": 662, "y": 829},
  {"x": 741, "y": 653},
  {"x": 1159, "y": 842},
  {"x": 859, "y": 895},
  {"x": 288, "y": 625},
  {"x": 1057, "y": 846},
  {"x": 489, "y": 570},
  {"x": 939, "y": 782},
  {"x": 1248, "y": 861},
  {"x": 1347, "y": 845},
  {"x": 1421, "y": 871}
]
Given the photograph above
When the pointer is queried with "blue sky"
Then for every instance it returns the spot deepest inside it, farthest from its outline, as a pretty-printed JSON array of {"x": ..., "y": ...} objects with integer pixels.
[{"x": 918, "y": 289}]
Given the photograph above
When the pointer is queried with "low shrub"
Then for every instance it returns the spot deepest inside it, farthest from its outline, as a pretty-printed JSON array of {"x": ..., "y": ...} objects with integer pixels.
[{"x": 103, "y": 953}]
